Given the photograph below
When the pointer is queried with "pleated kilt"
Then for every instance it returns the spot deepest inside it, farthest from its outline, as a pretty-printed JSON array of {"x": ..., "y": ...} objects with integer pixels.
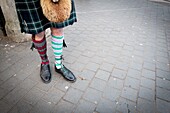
[{"x": 33, "y": 21}]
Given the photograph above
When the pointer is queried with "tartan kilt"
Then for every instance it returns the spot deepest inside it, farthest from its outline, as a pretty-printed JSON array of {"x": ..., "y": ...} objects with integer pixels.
[{"x": 33, "y": 21}]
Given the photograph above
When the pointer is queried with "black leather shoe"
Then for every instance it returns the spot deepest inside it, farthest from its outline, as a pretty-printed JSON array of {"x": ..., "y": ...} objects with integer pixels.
[
  {"x": 45, "y": 73},
  {"x": 66, "y": 73}
]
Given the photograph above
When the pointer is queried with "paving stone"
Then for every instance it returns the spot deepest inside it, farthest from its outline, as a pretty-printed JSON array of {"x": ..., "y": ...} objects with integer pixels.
[
  {"x": 21, "y": 107},
  {"x": 114, "y": 53},
  {"x": 102, "y": 75},
  {"x": 50, "y": 96},
  {"x": 97, "y": 59},
  {"x": 17, "y": 67},
  {"x": 163, "y": 74},
  {"x": 33, "y": 96},
  {"x": 70, "y": 59},
  {"x": 127, "y": 53},
  {"x": 105, "y": 106},
  {"x": 77, "y": 66},
  {"x": 81, "y": 84},
  {"x": 27, "y": 84},
  {"x": 3, "y": 92},
  {"x": 73, "y": 95},
  {"x": 42, "y": 107},
  {"x": 88, "y": 54},
  {"x": 119, "y": 73},
  {"x": 163, "y": 94},
  {"x": 163, "y": 66},
  {"x": 8, "y": 73},
  {"x": 14, "y": 96},
  {"x": 106, "y": 67},
  {"x": 148, "y": 83},
  {"x": 116, "y": 83},
  {"x": 129, "y": 93},
  {"x": 132, "y": 82},
  {"x": 162, "y": 54},
  {"x": 126, "y": 106},
  {"x": 162, "y": 106},
  {"x": 45, "y": 87},
  {"x": 10, "y": 83},
  {"x": 162, "y": 59},
  {"x": 64, "y": 107},
  {"x": 145, "y": 106},
  {"x": 135, "y": 65},
  {"x": 92, "y": 66},
  {"x": 122, "y": 65},
  {"x": 137, "y": 59},
  {"x": 83, "y": 59},
  {"x": 22, "y": 75},
  {"x": 5, "y": 107},
  {"x": 111, "y": 93},
  {"x": 4, "y": 65},
  {"x": 85, "y": 107},
  {"x": 89, "y": 95},
  {"x": 134, "y": 73},
  {"x": 87, "y": 74},
  {"x": 149, "y": 66},
  {"x": 98, "y": 82},
  {"x": 62, "y": 85},
  {"x": 162, "y": 83},
  {"x": 147, "y": 94},
  {"x": 110, "y": 59},
  {"x": 148, "y": 74}
]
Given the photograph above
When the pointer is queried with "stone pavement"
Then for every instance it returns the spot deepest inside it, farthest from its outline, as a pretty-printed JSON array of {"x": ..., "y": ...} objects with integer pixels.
[{"x": 119, "y": 51}]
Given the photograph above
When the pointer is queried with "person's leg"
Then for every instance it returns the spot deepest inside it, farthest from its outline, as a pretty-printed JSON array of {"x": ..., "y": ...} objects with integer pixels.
[
  {"x": 39, "y": 42},
  {"x": 57, "y": 46}
]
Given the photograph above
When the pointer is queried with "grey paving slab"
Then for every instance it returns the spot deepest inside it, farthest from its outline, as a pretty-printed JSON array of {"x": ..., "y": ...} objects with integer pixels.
[
  {"x": 148, "y": 83},
  {"x": 148, "y": 74},
  {"x": 42, "y": 107},
  {"x": 116, "y": 83},
  {"x": 63, "y": 107},
  {"x": 129, "y": 93},
  {"x": 125, "y": 106},
  {"x": 98, "y": 84},
  {"x": 38, "y": 94},
  {"x": 85, "y": 107},
  {"x": 111, "y": 94},
  {"x": 89, "y": 95},
  {"x": 163, "y": 83},
  {"x": 104, "y": 75},
  {"x": 106, "y": 106},
  {"x": 147, "y": 94},
  {"x": 162, "y": 94},
  {"x": 50, "y": 96},
  {"x": 132, "y": 83},
  {"x": 145, "y": 106},
  {"x": 162, "y": 106},
  {"x": 121, "y": 74},
  {"x": 21, "y": 107},
  {"x": 73, "y": 95}
]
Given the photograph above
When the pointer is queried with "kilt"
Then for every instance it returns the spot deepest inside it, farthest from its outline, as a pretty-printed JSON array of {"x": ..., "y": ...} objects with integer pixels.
[{"x": 33, "y": 21}]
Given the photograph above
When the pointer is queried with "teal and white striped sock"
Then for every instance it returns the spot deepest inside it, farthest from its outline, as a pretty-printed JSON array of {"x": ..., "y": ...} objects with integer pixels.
[{"x": 57, "y": 46}]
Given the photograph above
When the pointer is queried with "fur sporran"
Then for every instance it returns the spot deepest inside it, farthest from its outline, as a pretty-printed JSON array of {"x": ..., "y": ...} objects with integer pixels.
[{"x": 56, "y": 11}]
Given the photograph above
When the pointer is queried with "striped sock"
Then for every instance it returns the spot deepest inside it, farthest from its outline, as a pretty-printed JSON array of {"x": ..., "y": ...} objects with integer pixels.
[
  {"x": 57, "y": 45},
  {"x": 42, "y": 50}
]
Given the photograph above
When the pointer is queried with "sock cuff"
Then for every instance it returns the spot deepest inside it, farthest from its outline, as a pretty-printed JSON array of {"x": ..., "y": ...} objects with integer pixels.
[
  {"x": 39, "y": 41},
  {"x": 57, "y": 37}
]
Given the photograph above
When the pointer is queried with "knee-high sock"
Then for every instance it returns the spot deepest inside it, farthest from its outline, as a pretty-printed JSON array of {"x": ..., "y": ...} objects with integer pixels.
[
  {"x": 42, "y": 50},
  {"x": 57, "y": 46}
]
